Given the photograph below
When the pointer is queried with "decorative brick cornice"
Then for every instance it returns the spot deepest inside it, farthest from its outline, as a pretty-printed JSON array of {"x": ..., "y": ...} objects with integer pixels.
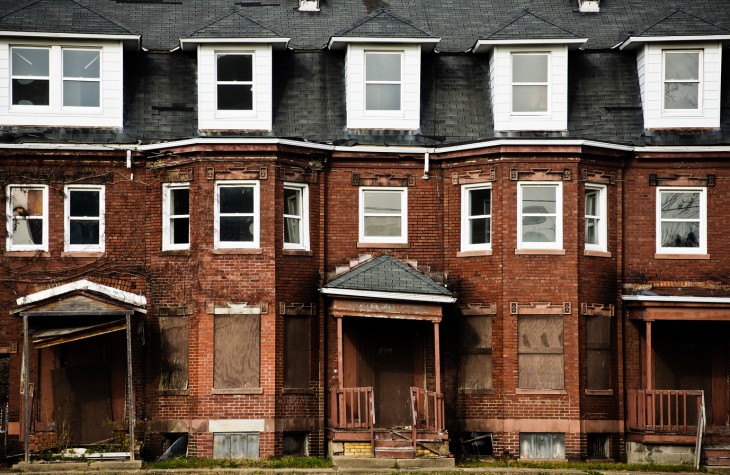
[
  {"x": 540, "y": 308},
  {"x": 56, "y": 176},
  {"x": 8, "y": 347},
  {"x": 469, "y": 309},
  {"x": 681, "y": 180},
  {"x": 176, "y": 176},
  {"x": 179, "y": 310},
  {"x": 597, "y": 310},
  {"x": 305, "y": 309},
  {"x": 540, "y": 174},
  {"x": 236, "y": 308},
  {"x": 598, "y": 176},
  {"x": 237, "y": 173},
  {"x": 474, "y": 176},
  {"x": 676, "y": 284},
  {"x": 382, "y": 179},
  {"x": 297, "y": 175}
]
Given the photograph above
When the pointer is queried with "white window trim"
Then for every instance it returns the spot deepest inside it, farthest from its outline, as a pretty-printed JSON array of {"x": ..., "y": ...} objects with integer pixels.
[
  {"x": 399, "y": 113},
  {"x": 9, "y": 221},
  {"x": 558, "y": 244},
  {"x": 254, "y": 244},
  {"x": 466, "y": 217},
  {"x": 548, "y": 83},
  {"x": 167, "y": 217},
  {"x": 230, "y": 114},
  {"x": 68, "y": 247},
  {"x": 602, "y": 231},
  {"x": 403, "y": 238},
  {"x": 700, "y": 84},
  {"x": 303, "y": 219},
  {"x": 100, "y": 80},
  {"x": 702, "y": 249}
]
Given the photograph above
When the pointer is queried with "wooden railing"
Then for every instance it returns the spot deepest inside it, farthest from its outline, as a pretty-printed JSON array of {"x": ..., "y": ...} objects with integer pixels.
[
  {"x": 428, "y": 410},
  {"x": 352, "y": 408},
  {"x": 664, "y": 411}
]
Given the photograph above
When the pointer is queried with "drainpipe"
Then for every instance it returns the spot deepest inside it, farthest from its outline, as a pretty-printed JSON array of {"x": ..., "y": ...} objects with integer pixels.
[{"x": 427, "y": 163}]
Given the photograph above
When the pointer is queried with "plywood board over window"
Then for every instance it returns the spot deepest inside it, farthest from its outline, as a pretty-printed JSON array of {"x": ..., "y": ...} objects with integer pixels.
[
  {"x": 296, "y": 351},
  {"x": 237, "y": 351},
  {"x": 173, "y": 353},
  {"x": 598, "y": 352},
  {"x": 476, "y": 357},
  {"x": 540, "y": 348}
]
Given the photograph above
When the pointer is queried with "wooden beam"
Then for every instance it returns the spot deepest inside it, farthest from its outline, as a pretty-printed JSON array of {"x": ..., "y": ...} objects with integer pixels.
[
  {"x": 437, "y": 356},
  {"x": 130, "y": 385},
  {"x": 340, "y": 365},
  {"x": 694, "y": 314},
  {"x": 26, "y": 390},
  {"x": 649, "y": 354}
]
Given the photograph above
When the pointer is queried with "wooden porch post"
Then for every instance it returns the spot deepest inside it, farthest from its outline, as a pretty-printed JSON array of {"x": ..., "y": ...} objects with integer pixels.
[
  {"x": 340, "y": 376},
  {"x": 437, "y": 356},
  {"x": 130, "y": 386},
  {"x": 649, "y": 354},
  {"x": 26, "y": 390}
]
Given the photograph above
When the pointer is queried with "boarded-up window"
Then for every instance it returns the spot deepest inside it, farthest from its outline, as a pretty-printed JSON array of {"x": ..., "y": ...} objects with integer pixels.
[
  {"x": 598, "y": 352},
  {"x": 296, "y": 444},
  {"x": 236, "y": 445},
  {"x": 540, "y": 348},
  {"x": 237, "y": 355},
  {"x": 476, "y": 352},
  {"x": 173, "y": 353},
  {"x": 296, "y": 351},
  {"x": 542, "y": 445}
]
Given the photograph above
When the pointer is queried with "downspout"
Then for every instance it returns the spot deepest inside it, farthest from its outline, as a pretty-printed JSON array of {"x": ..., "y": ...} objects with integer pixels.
[{"x": 427, "y": 162}]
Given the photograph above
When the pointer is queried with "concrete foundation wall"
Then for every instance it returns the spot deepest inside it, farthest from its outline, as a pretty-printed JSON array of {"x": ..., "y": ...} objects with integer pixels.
[{"x": 636, "y": 452}]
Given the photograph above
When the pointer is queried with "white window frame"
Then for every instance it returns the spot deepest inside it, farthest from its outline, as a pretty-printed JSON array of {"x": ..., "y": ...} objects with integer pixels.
[
  {"x": 67, "y": 218},
  {"x": 384, "y": 112},
  {"x": 699, "y": 81},
  {"x": 228, "y": 114},
  {"x": 167, "y": 216},
  {"x": 9, "y": 221},
  {"x": 79, "y": 79},
  {"x": 48, "y": 78},
  {"x": 547, "y": 83},
  {"x": 303, "y": 190},
  {"x": 558, "y": 244},
  {"x": 254, "y": 244},
  {"x": 601, "y": 217},
  {"x": 403, "y": 238},
  {"x": 466, "y": 218},
  {"x": 702, "y": 248}
]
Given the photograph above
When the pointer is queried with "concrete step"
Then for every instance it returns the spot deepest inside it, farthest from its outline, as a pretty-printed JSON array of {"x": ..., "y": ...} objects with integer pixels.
[
  {"x": 368, "y": 465},
  {"x": 395, "y": 452},
  {"x": 393, "y": 443}
]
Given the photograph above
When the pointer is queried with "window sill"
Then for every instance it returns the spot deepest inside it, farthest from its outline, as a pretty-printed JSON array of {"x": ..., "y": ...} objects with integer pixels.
[
  {"x": 382, "y": 245},
  {"x": 590, "y": 253},
  {"x": 542, "y": 392},
  {"x": 485, "y": 252},
  {"x": 475, "y": 391},
  {"x": 538, "y": 252},
  {"x": 682, "y": 256},
  {"x": 238, "y": 251},
  {"x": 304, "y": 391},
  {"x": 27, "y": 254},
  {"x": 237, "y": 391},
  {"x": 599, "y": 392},
  {"x": 297, "y": 252},
  {"x": 82, "y": 255},
  {"x": 173, "y": 392},
  {"x": 175, "y": 252}
]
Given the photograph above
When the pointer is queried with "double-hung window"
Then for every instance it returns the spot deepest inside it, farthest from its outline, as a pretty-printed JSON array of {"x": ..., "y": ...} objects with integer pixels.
[
  {"x": 540, "y": 215},
  {"x": 84, "y": 223},
  {"x": 476, "y": 217},
  {"x": 681, "y": 220},
  {"x": 383, "y": 80},
  {"x": 81, "y": 77},
  {"x": 682, "y": 80},
  {"x": 234, "y": 81},
  {"x": 175, "y": 216},
  {"x": 237, "y": 214},
  {"x": 530, "y": 84},
  {"x": 596, "y": 235},
  {"x": 296, "y": 216},
  {"x": 30, "y": 76},
  {"x": 27, "y": 218},
  {"x": 383, "y": 215}
]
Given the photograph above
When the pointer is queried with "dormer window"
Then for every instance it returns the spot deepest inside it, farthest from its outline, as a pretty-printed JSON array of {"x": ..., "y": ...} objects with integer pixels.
[
  {"x": 530, "y": 83},
  {"x": 383, "y": 80},
  {"x": 81, "y": 77},
  {"x": 682, "y": 73},
  {"x": 30, "y": 76},
  {"x": 234, "y": 80}
]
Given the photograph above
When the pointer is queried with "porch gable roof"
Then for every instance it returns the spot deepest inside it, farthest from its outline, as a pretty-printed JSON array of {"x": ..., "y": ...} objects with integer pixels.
[{"x": 103, "y": 296}]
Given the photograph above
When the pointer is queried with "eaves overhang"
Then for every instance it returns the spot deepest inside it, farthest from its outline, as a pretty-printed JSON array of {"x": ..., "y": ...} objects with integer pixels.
[
  {"x": 484, "y": 46},
  {"x": 340, "y": 42},
  {"x": 278, "y": 44},
  {"x": 637, "y": 41},
  {"x": 129, "y": 42},
  {"x": 379, "y": 295}
]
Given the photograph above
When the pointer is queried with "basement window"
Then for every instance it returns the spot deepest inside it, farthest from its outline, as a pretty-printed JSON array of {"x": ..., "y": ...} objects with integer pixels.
[
  {"x": 236, "y": 445},
  {"x": 598, "y": 446},
  {"x": 296, "y": 444},
  {"x": 542, "y": 445}
]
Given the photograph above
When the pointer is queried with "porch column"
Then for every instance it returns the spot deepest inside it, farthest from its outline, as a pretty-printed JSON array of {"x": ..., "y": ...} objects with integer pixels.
[
  {"x": 437, "y": 356},
  {"x": 26, "y": 390},
  {"x": 340, "y": 376},
  {"x": 130, "y": 385},
  {"x": 649, "y": 354}
]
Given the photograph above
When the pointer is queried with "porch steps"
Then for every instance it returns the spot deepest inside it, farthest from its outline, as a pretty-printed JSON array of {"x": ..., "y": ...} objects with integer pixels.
[
  {"x": 716, "y": 455},
  {"x": 393, "y": 446}
]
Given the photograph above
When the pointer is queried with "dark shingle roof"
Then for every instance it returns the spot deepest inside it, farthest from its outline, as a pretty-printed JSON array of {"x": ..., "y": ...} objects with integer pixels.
[
  {"x": 385, "y": 273},
  {"x": 528, "y": 25},
  {"x": 383, "y": 24},
  {"x": 679, "y": 22},
  {"x": 233, "y": 24}
]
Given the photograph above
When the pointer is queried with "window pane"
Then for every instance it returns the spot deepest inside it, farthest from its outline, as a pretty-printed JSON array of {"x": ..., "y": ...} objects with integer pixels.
[
  {"x": 529, "y": 68},
  {"x": 382, "y": 97},
  {"x": 237, "y": 229},
  {"x": 180, "y": 231},
  {"x": 237, "y": 97},
  {"x": 591, "y": 231},
  {"x": 682, "y": 66},
  {"x": 292, "y": 231},
  {"x": 680, "y": 95},
  {"x": 84, "y": 203},
  {"x": 476, "y": 371},
  {"x": 680, "y": 205},
  {"x": 382, "y": 202},
  {"x": 541, "y": 371},
  {"x": 236, "y": 199},
  {"x": 680, "y": 234},
  {"x": 81, "y": 64},
  {"x": 173, "y": 352},
  {"x": 30, "y": 62},
  {"x": 538, "y": 229},
  {"x": 539, "y": 199},
  {"x": 480, "y": 202},
  {"x": 30, "y": 92},
  {"x": 180, "y": 201},
  {"x": 27, "y": 218},
  {"x": 382, "y": 226},
  {"x": 382, "y": 67},
  {"x": 26, "y": 202},
  {"x": 598, "y": 369},
  {"x": 296, "y": 352},
  {"x": 476, "y": 333},
  {"x": 529, "y": 98},
  {"x": 479, "y": 233},
  {"x": 292, "y": 200},
  {"x": 81, "y": 93},
  {"x": 84, "y": 232},
  {"x": 235, "y": 67},
  {"x": 591, "y": 202},
  {"x": 540, "y": 334},
  {"x": 27, "y": 232}
]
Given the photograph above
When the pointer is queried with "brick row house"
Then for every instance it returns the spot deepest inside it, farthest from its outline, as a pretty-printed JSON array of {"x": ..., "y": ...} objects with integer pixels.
[{"x": 366, "y": 229}]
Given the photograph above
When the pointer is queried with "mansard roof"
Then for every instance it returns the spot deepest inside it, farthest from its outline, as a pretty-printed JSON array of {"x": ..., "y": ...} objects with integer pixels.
[{"x": 385, "y": 273}]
